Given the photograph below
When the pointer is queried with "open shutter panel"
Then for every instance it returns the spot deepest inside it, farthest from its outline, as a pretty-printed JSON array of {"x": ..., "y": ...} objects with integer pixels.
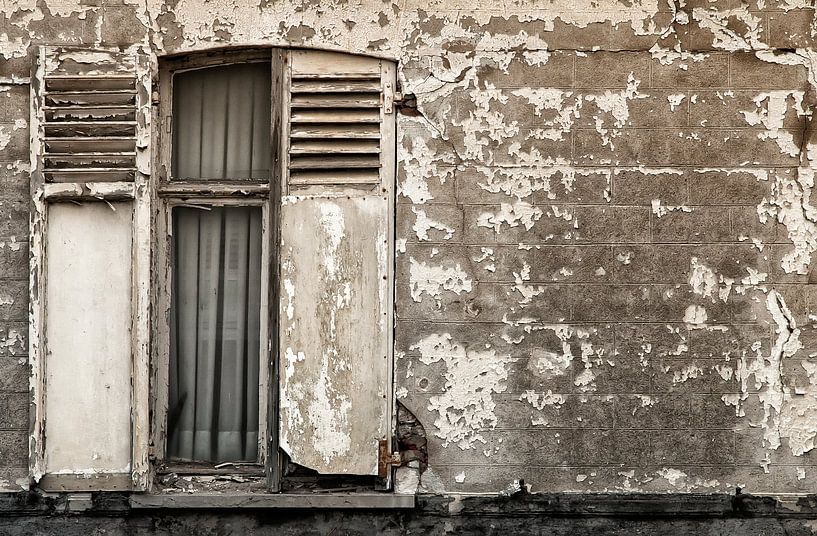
[
  {"x": 336, "y": 263},
  {"x": 90, "y": 269}
]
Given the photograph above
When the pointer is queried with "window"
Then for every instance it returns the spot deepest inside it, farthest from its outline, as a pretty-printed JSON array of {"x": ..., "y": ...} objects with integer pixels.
[
  {"x": 215, "y": 246},
  {"x": 236, "y": 271}
]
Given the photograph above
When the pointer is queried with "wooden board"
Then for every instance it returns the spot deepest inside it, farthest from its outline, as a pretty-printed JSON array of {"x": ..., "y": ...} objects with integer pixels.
[
  {"x": 334, "y": 332},
  {"x": 88, "y": 356}
]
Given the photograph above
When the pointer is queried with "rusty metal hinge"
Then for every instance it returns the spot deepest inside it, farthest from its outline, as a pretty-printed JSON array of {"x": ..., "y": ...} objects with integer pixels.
[
  {"x": 386, "y": 458},
  {"x": 390, "y": 98}
]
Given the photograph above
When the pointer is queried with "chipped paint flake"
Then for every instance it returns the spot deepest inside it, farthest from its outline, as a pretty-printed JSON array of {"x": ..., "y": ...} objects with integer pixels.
[
  {"x": 511, "y": 215},
  {"x": 423, "y": 224},
  {"x": 433, "y": 280}
]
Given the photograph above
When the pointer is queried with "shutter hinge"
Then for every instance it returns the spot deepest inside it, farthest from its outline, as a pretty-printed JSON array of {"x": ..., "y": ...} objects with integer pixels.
[
  {"x": 390, "y": 98},
  {"x": 386, "y": 458}
]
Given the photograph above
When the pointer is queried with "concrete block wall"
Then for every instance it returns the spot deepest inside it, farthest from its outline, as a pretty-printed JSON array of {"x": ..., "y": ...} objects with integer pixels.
[
  {"x": 621, "y": 197},
  {"x": 604, "y": 228},
  {"x": 14, "y": 397}
]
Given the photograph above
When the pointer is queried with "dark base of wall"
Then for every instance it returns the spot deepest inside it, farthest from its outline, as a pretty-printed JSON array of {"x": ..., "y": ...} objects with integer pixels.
[{"x": 552, "y": 515}]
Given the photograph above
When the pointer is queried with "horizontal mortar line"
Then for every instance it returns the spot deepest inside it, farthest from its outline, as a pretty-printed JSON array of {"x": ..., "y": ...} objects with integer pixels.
[
  {"x": 652, "y": 127},
  {"x": 616, "y": 284},
  {"x": 711, "y": 128},
  {"x": 573, "y": 244},
  {"x": 521, "y": 325},
  {"x": 625, "y": 396},
  {"x": 644, "y": 169},
  {"x": 515, "y": 396},
  {"x": 607, "y": 465},
  {"x": 564, "y": 429},
  {"x": 579, "y": 204},
  {"x": 557, "y": 203},
  {"x": 534, "y": 282},
  {"x": 741, "y": 323},
  {"x": 515, "y": 246}
]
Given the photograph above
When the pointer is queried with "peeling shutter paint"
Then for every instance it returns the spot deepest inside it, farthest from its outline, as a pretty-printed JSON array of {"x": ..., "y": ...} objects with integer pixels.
[
  {"x": 90, "y": 269},
  {"x": 336, "y": 275}
]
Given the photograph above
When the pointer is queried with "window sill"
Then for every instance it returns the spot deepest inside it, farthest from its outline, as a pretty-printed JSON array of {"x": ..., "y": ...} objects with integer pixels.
[{"x": 274, "y": 500}]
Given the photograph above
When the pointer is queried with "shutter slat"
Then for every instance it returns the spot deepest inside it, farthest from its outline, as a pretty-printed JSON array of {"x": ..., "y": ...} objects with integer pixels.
[
  {"x": 90, "y": 175},
  {"x": 314, "y": 64},
  {"x": 334, "y": 176},
  {"x": 332, "y": 131},
  {"x": 82, "y": 83},
  {"x": 91, "y": 160},
  {"x": 89, "y": 128},
  {"x": 348, "y": 162},
  {"x": 91, "y": 98},
  {"x": 335, "y": 116},
  {"x": 55, "y": 146},
  {"x": 84, "y": 113},
  {"x": 342, "y": 85},
  {"x": 334, "y": 146},
  {"x": 335, "y": 100}
]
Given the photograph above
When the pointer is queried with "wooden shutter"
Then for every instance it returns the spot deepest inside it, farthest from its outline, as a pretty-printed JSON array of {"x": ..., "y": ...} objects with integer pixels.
[
  {"x": 336, "y": 249},
  {"x": 90, "y": 254},
  {"x": 89, "y": 117}
]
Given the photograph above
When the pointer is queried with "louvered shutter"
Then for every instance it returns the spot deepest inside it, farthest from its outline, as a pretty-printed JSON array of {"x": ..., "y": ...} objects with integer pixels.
[
  {"x": 336, "y": 252},
  {"x": 89, "y": 117},
  {"x": 90, "y": 250}
]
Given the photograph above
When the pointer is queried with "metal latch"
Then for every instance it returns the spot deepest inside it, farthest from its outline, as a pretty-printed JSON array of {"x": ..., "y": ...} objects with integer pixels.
[
  {"x": 390, "y": 98},
  {"x": 386, "y": 458}
]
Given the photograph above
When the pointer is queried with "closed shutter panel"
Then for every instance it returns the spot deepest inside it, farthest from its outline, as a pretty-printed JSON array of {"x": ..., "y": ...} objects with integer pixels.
[
  {"x": 336, "y": 249},
  {"x": 90, "y": 248}
]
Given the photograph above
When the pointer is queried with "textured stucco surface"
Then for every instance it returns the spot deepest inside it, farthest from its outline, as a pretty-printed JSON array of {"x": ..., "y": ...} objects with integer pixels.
[{"x": 604, "y": 227}]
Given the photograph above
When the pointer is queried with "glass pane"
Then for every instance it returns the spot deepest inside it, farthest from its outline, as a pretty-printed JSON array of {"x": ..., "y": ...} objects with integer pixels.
[
  {"x": 214, "y": 334},
  {"x": 221, "y": 123}
]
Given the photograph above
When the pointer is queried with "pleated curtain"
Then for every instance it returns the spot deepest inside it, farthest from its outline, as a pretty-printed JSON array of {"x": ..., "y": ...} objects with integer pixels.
[
  {"x": 215, "y": 316},
  {"x": 221, "y": 122}
]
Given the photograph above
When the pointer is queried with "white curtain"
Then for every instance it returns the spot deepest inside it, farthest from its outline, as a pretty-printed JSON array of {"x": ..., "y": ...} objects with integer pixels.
[
  {"x": 221, "y": 122},
  {"x": 215, "y": 316}
]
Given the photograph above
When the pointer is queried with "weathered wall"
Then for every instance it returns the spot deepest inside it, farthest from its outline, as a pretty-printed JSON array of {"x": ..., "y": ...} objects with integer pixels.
[{"x": 604, "y": 226}]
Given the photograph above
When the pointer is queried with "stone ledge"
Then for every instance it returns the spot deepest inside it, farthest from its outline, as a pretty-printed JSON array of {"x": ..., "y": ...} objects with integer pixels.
[{"x": 280, "y": 501}]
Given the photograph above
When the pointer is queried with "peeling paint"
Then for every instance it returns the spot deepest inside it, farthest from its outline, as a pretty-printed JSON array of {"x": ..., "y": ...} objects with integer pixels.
[
  {"x": 472, "y": 377},
  {"x": 423, "y": 224},
  {"x": 433, "y": 280}
]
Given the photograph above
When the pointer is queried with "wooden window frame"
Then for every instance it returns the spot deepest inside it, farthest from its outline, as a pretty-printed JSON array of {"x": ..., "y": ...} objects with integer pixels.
[{"x": 171, "y": 192}]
